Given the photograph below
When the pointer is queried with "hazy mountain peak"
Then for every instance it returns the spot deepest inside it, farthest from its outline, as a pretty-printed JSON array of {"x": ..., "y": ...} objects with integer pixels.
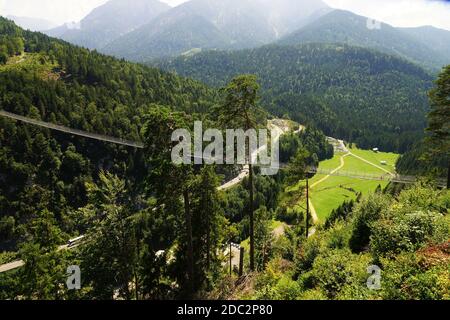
[
  {"x": 231, "y": 24},
  {"x": 109, "y": 21}
]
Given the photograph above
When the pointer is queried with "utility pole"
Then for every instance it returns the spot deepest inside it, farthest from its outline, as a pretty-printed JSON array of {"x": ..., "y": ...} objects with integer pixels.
[
  {"x": 307, "y": 208},
  {"x": 252, "y": 226}
]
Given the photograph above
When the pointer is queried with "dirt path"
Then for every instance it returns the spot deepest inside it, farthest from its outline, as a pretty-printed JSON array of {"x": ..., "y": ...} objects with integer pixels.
[
  {"x": 372, "y": 164},
  {"x": 342, "y": 159}
]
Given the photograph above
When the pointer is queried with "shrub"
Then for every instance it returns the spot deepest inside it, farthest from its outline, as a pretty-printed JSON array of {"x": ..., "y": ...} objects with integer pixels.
[
  {"x": 407, "y": 232},
  {"x": 366, "y": 212},
  {"x": 336, "y": 269}
]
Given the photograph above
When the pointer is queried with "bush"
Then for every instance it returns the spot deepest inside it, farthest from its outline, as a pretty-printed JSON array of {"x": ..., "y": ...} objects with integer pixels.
[
  {"x": 7, "y": 227},
  {"x": 407, "y": 232},
  {"x": 366, "y": 212},
  {"x": 408, "y": 278},
  {"x": 307, "y": 254},
  {"x": 336, "y": 269},
  {"x": 3, "y": 58}
]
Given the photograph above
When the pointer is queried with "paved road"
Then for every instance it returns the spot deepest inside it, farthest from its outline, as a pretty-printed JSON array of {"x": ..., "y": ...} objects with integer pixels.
[
  {"x": 11, "y": 266},
  {"x": 279, "y": 131}
]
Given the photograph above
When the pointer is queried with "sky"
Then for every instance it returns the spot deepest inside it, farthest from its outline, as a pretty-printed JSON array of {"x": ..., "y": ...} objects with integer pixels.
[{"x": 399, "y": 13}]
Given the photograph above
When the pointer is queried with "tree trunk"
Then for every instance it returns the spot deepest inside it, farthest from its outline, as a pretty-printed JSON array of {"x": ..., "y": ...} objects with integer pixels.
[
  {"x": 208, "y": 245},
  {"x": 190, "y": 247},
  {"x": 252, "y": 225},
  {"x": 208, "y": 231},
  {"x": 448, "y": 176}
]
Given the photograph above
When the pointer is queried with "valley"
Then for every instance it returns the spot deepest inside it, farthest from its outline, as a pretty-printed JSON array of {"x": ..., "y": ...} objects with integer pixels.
[{"x": 109, "y": 123}]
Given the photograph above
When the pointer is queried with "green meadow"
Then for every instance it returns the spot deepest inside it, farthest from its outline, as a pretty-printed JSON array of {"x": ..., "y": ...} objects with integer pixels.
[
  {"x": 334, "y": 190},
  {"x": 328, "y": 193}
]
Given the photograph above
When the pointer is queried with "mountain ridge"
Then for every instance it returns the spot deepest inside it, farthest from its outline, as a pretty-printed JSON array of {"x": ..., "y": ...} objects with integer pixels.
[
  {"x": 340, "y": 26},
  {"x": 241, "y": 24},
  {"x": 109, "y": 21}
]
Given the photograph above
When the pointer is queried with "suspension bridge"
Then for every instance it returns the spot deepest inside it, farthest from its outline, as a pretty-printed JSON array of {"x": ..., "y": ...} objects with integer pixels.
[{"x": 389, "y": 177}]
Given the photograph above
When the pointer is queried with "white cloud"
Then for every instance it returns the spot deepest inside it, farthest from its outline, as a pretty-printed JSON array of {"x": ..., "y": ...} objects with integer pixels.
[
  {"x": 400, "y": 13},
  {"x": 405, "y": 13},
  {"x": 173, "y": 3},
  {"x": 58, "y": 11}
]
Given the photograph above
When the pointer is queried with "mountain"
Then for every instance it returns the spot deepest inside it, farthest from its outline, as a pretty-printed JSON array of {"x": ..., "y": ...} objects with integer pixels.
[
  {"x": 437, "y": 39},
  {"x": 203, "y": 24},
  {"x": 353, "y": 93},
  {"x": 33, "y": 24},
  {"x": 341, "y": 26},
  {"x": 169, "y": 35},
  {"x": 110, "y": 21}
]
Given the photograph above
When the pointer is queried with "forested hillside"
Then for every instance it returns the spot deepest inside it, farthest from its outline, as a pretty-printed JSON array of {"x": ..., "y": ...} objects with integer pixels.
[
  {"x": 341, "y": 26},
  {"x": 48, "y": 79},
  {"x": 355, "y": 94}
]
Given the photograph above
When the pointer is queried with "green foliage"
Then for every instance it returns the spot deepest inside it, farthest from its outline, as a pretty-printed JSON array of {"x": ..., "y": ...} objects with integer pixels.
[
  {"x": 67, "y": 85},
  {"x": 263, "y": 238},
  {"x": 365, "y": 213},
  {"x": 337, "y": 269},
  {"x": 431, "y": 156},
  {"x": 439, "y": 117},
  {"x": 329, "y": 86},
  {"x": 411, "y": 248},
  {"x": 310, "y": 139},
  {"x": 420, "y": 276}
]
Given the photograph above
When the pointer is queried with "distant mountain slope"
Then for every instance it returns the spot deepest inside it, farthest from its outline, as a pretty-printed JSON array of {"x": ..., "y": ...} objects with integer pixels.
[
  {"x": 167, "y": 36},
  {"x": 110, "y": 21},
  {"x": 437, "y": 39},
  {"x": 341, "y": 26},
  {"x": 352, "y": 93},
  {"x": 33, "y": 24},
  {"x": 207, "y": 24}
]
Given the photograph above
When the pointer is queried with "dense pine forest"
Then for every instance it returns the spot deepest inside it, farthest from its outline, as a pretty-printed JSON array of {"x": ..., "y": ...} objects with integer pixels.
[
  {"x": 157, "y": 230},
  {"x": 352, "y": 93}
]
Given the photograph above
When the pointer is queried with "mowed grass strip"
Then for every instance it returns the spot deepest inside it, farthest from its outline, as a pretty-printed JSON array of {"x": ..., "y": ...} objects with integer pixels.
[
  {"x": 377, "y": 157},
  {"x": 332, "y": 192}
]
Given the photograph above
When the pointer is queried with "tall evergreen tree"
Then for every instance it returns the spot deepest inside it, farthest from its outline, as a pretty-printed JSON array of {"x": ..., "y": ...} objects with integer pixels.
[
  {"x": 240, "y": 109},
  {"x": 439, "y": 118}
]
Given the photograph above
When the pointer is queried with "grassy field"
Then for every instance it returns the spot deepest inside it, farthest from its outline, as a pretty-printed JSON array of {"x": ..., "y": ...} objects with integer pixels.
[
  {"x": 327, "y": 194},
  {"x": 377, "y": 157},
  {"x": 330, "y": 193}
]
